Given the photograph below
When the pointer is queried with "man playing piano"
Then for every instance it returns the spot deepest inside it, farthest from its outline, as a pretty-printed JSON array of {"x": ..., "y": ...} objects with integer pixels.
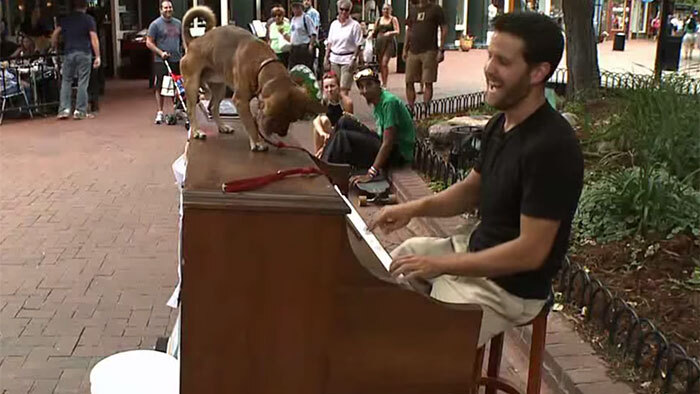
[{"x": 526, "y": 185}]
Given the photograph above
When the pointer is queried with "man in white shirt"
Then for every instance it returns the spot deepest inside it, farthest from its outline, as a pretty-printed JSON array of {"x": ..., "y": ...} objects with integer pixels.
[
  {"x": 343, "y": 46},
  {"x": 303, "y": 37}
]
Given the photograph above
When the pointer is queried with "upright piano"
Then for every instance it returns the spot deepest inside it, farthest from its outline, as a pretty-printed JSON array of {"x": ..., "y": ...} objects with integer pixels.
[{"x": 281, "y": 295}]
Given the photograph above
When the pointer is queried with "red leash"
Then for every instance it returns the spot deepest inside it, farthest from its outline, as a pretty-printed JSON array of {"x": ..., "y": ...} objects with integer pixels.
[
  {"x": 246, "y": 184},
  {"x": 242, "y": 185}
]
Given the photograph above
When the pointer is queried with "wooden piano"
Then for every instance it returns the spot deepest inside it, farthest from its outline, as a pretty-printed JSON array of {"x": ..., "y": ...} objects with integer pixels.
[{"x": 280, "y": 294}]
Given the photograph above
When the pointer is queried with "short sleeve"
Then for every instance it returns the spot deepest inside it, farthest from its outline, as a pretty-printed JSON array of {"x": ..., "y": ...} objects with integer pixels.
[
  {"x": 552, "y": 178},
  {"x": 411, "y": 16},
  {"x": 357, "y": 32},
  {"x": 91, "y": 24},
  {"x": 391, "y": 114},
  {"x": 153, "y": 30},
  {"x": 439, "y": 15}
]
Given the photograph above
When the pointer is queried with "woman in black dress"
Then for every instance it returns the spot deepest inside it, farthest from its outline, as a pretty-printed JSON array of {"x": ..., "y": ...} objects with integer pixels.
[
  {"x": 337, "y": 106},
  {"x": 385, "y": 31}
]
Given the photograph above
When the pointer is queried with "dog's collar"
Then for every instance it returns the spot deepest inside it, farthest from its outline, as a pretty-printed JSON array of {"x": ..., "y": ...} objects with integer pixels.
[{"x": 262, "y": 65}]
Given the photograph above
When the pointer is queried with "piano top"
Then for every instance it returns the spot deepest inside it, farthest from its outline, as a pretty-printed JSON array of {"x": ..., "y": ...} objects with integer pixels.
[{"x": 226, "y": 157}]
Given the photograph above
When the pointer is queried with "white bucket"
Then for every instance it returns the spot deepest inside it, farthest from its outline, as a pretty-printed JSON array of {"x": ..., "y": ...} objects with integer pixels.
[{"x": 136, "y": 372}]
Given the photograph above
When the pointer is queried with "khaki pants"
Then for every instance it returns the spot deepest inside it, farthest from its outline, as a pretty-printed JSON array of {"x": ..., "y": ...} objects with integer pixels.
[{"x": 501, "y": 310}]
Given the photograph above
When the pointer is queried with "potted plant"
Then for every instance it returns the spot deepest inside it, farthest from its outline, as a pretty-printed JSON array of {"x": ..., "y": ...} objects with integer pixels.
[{"x": 466, "y": 42}]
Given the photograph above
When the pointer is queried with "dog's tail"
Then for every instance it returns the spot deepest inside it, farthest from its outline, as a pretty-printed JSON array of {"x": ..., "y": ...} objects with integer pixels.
[{"x": 202, "y": 12}]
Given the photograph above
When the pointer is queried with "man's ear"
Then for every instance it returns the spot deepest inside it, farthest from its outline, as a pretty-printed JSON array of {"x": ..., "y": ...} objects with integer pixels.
[{"x": 538, "y": 73}]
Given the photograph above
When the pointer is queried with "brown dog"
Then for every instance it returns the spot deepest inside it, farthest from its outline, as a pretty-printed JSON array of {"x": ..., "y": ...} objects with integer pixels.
[{"x": 233, "y": 57}]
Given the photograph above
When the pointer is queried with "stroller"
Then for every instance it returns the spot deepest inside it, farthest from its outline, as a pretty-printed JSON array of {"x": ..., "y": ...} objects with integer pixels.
[{"x": 180, "y": 107}]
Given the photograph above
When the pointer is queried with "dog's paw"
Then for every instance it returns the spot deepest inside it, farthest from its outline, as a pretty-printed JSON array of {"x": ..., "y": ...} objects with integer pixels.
[
  {"x": 199, "y": 135},
  {"x": 258, "y": 147},
  {"x": 226, "y": 129}
]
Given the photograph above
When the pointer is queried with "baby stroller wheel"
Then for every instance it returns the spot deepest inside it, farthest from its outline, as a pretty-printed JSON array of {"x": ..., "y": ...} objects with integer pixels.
[
  {"x": 187, "y": 125},
  {"x": 171, "y": 120}
]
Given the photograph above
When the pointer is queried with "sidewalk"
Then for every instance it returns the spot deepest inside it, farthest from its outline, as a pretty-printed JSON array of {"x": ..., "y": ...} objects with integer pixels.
[{"x": 88, "y": 240}]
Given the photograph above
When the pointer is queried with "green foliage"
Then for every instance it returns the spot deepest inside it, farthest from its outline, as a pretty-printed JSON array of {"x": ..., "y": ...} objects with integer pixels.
[
  {"x": 437, "y": 186},
  {"x": 657, "y": 125},
  {"x": 636, "y": 201}
]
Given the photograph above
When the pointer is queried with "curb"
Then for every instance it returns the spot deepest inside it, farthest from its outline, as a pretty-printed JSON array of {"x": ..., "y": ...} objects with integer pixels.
[{"x": 569, "y": 363}]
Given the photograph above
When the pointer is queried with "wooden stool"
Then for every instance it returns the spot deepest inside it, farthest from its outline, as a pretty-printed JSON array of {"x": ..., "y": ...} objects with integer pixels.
[{"x": 492, "y": 381}]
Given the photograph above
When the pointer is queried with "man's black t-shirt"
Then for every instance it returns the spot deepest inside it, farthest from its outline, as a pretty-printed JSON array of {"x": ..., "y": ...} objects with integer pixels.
[{"x": 535, "y": 169}]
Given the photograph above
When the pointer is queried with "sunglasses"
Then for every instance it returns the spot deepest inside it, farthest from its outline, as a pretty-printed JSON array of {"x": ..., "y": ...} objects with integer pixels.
[
  {"x": 344, "y": 9},
  {"x": 365, "y": 73}
]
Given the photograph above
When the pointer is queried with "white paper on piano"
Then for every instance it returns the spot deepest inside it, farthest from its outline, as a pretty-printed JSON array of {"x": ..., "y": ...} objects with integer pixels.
[{"x": 367, "y": 235}]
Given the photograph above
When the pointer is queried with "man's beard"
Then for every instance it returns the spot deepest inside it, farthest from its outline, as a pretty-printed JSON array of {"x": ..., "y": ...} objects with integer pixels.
[{"x": 511, "y": 96}]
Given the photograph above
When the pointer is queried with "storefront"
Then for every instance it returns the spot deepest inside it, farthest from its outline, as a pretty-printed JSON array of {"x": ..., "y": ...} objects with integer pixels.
[{"x": 631, "y": 17}]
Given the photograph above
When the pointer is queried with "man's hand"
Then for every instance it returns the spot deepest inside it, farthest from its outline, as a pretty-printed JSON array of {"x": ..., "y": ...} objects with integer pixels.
[
  {"x": 414, "y": 267},
  {"x": 96, "y": 63},
  {"x": 440, "y": 56},
  {"x": 404, "y": 55},
  {"x": 354, "y": 180},
  {"x": 164, "y": 55},
  {"x": 327, "y": 64},
  {"x": 390, "y": 219},
  {"x": 311, "y": 48}
]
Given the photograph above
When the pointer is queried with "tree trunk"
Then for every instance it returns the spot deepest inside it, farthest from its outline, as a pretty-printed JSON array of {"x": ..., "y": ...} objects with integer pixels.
[{"x": 581, "y": 48}]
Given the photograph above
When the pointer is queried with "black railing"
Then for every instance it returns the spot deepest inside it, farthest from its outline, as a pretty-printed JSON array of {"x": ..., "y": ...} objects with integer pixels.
[
  {"x": 30, "y": 83},
  {"x": 612, "y": 80},
  {"x": 636, "y": 338},
  {"x": 449, "y": 105},
  {"x": 428, "y": 162}
]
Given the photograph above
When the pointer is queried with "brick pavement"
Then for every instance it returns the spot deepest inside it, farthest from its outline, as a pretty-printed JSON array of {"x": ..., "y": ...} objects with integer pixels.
[{"x": 88, "y": 238}]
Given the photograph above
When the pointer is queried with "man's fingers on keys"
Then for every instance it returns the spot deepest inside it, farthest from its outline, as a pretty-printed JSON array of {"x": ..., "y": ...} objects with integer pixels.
[{"x": 401, "y": 265}]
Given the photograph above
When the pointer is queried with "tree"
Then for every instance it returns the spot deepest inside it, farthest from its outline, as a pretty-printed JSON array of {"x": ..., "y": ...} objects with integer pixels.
[{"x": 581, "y": 47}]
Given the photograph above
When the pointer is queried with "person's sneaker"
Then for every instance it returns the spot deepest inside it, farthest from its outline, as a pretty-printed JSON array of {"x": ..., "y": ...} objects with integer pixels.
[
  {"x": 63, "y": 114},
  {"x": 80, "y": 115},
  {"x": 160, "y": 118}
]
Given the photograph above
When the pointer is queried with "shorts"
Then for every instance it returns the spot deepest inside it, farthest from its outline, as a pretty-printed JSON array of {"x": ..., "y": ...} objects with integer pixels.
[
  {"x": 159, "y": 71},
  {"x": 421, "y": 67},
  {"x": 501, "y": 309},
  {"x": 345, "y": 73}
]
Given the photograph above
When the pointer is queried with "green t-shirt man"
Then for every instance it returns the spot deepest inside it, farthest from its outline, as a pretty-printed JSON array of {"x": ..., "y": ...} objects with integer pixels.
[{"x": 390, "y": 111}]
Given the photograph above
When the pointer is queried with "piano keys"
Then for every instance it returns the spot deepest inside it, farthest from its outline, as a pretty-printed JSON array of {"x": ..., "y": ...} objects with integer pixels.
[{"x": 281, "y": 293}]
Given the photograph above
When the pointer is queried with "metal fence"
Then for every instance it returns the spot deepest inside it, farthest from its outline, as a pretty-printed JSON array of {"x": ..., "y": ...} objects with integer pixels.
[
  {"x": 449, "y": 105},
  {"x": 635, "y": 337},
  {"x": 30, "y": 84},
  {"x": 612, "y": 80}
]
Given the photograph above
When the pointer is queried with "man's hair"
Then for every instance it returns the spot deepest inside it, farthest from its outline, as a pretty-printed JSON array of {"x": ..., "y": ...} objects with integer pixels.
[
  {"x": 344, "y": 4},
  {"x": 79, "y": 4},
  {"x": 544, "y": 41}
]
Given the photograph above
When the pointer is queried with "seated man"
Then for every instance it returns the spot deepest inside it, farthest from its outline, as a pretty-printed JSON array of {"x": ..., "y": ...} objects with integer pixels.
[
  {"x": 355, "y": 144},
  {"x": 526, "y": 184}
]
